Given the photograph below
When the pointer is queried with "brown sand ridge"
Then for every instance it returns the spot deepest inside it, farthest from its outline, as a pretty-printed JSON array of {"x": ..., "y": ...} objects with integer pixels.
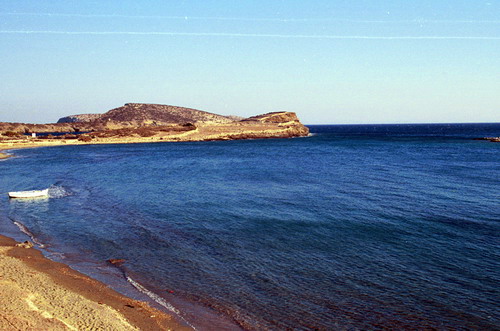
[{"x": 39, "y": 294}]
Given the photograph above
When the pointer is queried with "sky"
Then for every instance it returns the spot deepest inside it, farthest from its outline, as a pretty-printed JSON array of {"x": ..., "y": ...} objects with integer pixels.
[{"x": 330, "y": 61}]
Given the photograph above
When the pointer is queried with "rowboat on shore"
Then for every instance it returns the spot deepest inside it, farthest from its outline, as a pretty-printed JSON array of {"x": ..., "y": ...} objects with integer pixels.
[{"x": 29, "y": 194}]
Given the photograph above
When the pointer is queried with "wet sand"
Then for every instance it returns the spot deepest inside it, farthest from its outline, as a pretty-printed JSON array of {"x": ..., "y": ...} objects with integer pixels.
[{"x": 40, "y": 294}]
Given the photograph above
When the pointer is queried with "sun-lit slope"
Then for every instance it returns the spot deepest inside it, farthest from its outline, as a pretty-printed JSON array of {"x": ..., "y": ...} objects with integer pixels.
[{"x": 143, "y": 113}]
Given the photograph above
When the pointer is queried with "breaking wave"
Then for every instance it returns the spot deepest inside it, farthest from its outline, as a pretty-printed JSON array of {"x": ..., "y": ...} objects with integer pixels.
[
  {"x": 57, "y": 191},
  {"x": 156, "y": 298},
  {"x": 27, "y": 232}
]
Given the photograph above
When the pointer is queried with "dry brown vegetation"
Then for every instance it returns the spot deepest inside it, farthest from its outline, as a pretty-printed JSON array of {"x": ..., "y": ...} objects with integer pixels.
[
  {"x": 85, "y": 138},
  {"x": 11, "y": 134},
  {"x": 157, "y": 114},
  {"x": 143, "y": 131}
]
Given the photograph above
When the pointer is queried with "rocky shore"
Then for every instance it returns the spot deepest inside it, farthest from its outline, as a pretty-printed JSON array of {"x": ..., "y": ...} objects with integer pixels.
[{"x": 492, "y": 139}]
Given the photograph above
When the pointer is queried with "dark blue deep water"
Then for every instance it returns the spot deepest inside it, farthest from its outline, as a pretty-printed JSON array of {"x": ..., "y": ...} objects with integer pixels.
[{"x": 355, "y": 227}]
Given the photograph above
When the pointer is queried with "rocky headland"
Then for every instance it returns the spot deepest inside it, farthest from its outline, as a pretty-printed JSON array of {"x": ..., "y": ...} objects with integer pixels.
[
  {"x": 492, "y": 139},
  {"x": 138, "y": 122},
  {"x": 79, "y": 118}
]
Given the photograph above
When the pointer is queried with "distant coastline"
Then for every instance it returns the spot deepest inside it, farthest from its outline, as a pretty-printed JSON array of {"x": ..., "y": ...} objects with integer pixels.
[{"x": 147, "y": 123}]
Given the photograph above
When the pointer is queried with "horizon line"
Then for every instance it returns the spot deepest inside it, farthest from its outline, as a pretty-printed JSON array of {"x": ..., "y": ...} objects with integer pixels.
[
  {"x": 247, "y": 35},
  {"x": 404, "y": 123}
]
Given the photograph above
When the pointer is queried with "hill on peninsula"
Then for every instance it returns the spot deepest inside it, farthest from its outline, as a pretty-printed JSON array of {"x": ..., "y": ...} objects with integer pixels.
[
  {"x": 142, "y": 113},
  {"x": 139, "y": 122}
]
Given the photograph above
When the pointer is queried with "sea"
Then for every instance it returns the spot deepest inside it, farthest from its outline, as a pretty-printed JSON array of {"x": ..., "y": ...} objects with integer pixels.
[{"x": 357, "y": 227}]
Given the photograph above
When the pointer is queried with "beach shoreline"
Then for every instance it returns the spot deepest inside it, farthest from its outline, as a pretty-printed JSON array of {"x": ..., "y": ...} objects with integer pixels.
[
  {"x": 128, "y": 313},
  {"x": 4, "y": 156},
  {"x": 151, "y": 316},
  {"x": 38, "y": 293}
]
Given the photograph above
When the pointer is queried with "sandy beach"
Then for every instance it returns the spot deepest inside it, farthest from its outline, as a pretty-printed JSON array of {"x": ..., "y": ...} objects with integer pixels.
[{"x": 39, "y": 294}]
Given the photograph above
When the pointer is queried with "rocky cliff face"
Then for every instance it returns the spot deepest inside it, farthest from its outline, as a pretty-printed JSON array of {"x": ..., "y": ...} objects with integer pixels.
[
  {"x": 79, "y": 118},
  {"x": 56, "y": 127},
  {"x": 275, "y": 117},
  {"x": 288, "y": 121}
]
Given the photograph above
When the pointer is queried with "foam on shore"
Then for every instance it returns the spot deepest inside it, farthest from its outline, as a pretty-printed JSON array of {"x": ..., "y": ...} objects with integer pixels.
[
  {"x": 24, "y": 229},
  {"x": 156, "y": 298}
]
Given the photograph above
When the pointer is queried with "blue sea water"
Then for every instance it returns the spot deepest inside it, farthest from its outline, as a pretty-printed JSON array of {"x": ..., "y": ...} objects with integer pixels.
[{"x": 355, "y": 227}]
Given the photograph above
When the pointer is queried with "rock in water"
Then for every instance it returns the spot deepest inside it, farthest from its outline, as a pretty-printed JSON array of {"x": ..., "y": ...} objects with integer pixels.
[
  {"x": 26, "y": 244},
  {"x": 116, "y": 262}
]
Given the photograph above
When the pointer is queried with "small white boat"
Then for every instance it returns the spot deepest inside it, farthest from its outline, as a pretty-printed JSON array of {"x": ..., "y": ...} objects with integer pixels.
[{"x": 29, "y": 194}]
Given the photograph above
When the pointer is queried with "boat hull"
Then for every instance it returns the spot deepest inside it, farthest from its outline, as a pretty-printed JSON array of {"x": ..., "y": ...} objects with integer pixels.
[{"x": 29, "y": 194}]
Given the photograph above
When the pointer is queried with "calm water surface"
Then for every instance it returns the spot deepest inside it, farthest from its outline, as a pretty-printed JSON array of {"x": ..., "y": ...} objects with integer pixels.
[{"x": 356, "y": 227}]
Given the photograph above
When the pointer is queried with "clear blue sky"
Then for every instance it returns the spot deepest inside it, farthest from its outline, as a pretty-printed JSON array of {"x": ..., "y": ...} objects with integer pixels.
[{"x": 330, "y": 61}]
